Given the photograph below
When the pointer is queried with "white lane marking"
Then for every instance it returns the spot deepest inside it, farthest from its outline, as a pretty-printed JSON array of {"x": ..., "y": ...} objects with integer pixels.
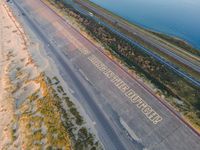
[{"x": 145, "y": 108}]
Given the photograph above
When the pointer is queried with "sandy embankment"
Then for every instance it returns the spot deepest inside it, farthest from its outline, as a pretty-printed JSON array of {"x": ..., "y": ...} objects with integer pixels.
[
  {"x": 20, "y": 63},
  {"x": 16, "y": 73}
]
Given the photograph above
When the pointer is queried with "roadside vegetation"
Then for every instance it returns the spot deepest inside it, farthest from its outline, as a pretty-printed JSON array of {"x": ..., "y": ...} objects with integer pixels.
[
  {"x": 178, "y": 46},
  {"x": 178, "y": 91},
  {"x": 50, "y": 120},
  {"x": 178, "y": 42},
  {"x": 71, "y": 121}
]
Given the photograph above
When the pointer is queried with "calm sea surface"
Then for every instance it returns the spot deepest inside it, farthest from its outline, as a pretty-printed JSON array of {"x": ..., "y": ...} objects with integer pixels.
[{"x": 179, "y": 18}]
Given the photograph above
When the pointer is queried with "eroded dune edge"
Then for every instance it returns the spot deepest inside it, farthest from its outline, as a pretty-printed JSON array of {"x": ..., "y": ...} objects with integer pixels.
[{"x": 36, "y": 109}]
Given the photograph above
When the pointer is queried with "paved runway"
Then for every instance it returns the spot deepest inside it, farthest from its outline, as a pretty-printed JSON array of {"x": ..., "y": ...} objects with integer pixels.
[{"x": 127, "y": 115}]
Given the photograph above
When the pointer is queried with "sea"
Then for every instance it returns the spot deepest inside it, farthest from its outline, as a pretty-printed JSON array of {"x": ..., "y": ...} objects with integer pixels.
[{"x": 179, "y": 18}]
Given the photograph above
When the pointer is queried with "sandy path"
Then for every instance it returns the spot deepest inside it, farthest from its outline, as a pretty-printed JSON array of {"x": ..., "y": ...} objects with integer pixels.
[
  {"x": 6, "y": 106},
  {"x": 15, "y": 68}
]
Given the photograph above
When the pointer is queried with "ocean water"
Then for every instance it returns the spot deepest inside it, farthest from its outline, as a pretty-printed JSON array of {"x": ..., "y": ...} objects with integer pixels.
[{"x": 180, "y": 18}]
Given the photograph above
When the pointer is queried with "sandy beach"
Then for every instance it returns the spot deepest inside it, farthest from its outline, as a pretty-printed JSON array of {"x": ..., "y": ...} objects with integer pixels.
[{"x": 17, "y": 67}]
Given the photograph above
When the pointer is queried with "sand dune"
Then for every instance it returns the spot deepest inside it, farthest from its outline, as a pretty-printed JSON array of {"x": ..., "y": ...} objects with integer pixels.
[{"x": 16, "y": 72}]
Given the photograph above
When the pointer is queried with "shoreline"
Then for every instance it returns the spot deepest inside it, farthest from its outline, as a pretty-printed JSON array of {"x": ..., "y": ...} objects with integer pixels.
[
  {"x": 149, "y": 40},
  {"x": 144, "y": 28}
]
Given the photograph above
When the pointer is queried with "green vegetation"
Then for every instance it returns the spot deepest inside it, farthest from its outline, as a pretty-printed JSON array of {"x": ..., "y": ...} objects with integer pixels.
[
  {"x": 60, "y": 89},
  {"x": 40, "y": 119},
  {"x": 56, "y": 81},
  {"x": 176, "y": 45},
  {"x": 63, "y": 123},
  {"x": 85, "y": 138},
  {"x": 171, "y": 84},
  {"x": 13, "y": 134},
  {"x": 69, "y": 103},
  {"x": 48, "y": 119},
  {"x": 173, "y": 40},
  {"x": 79, "y": 119}
]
